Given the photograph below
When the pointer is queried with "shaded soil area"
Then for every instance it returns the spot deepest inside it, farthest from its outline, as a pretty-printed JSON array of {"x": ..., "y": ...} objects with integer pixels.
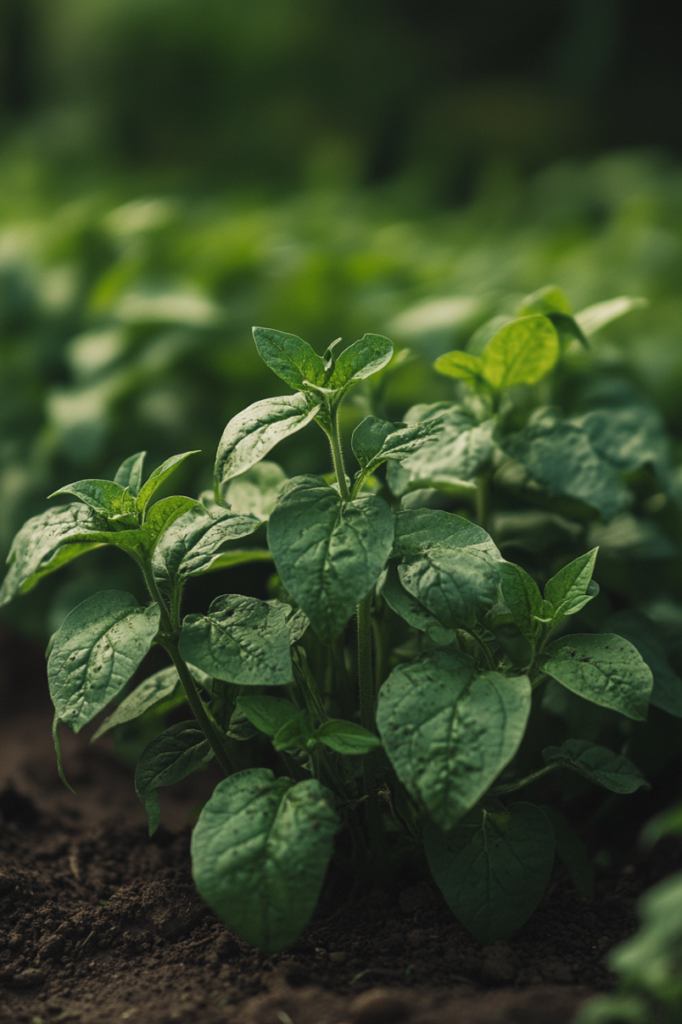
[{"x": 99, "y": 923}]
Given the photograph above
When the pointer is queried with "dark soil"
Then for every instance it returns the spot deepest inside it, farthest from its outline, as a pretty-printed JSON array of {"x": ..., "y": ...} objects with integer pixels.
[{"x": 99, "y": 923}]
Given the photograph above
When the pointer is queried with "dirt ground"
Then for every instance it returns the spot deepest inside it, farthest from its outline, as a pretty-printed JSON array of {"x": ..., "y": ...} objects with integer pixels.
[{"x": 99, "y": 923}]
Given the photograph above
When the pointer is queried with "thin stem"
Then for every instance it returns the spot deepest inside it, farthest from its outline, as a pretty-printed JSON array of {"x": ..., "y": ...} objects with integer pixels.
[
  {"x": 511, "y": 787},
  {"x": 337, "y": 455},
  {"x": 482, "y": 496},
  {"x": 197, "y": 706},
  {"x": 483, "y": 647},
  {"x": 367, "y": 719}
]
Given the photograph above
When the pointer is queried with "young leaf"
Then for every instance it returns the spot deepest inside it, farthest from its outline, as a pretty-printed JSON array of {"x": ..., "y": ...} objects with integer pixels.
[
  {"x": 158, "y": 687},
  {"x": 521, "y": 352},
  {"x": 173, "y": 755},
  {"x": 260, "y": 852},
  {"x": 242, "y": 640},
  {"x": 593, "y": 318},
  {"x": 640, "y": 631},
  {"x": 129, "y": 473},
  {"x": 103, "y": 496},
  {"x": 159, "y": 476},
  {"x": 268, "y": 714},
  {"x": 461, "y": 366},
  {"x": 572, "y": 587},
  {"x": 376, "y": 441},
  {"x": 295, "y": 734},
  {"x": 598, "y": 764},
  {"x": 193, "y": 542},
  {"x": 410, "y": 609},
  {"x": 255, "y": 492},
  {"x": 573, "y": 853},
  {"x": 560, "y": 455},
  {"x": 449, "y": 733},
  {"x": 523, "y": 599},
  {"x": 95, "y": 652},
  {"x": 361, "y": 359},
  {"x": 346, "y": 737},
  {"x": 250, "y": 435},
  {"x": 289, "y": 357},
  {"x": 449, "y": 564},
  {"x": 493, "y": 869},
  {"x": 37, "y": 548},
  {"x": 546, "y": 300},
  {"x": 329, "y": 553},
  {"x": 161, "y": 516},
  {"x": 604, "y": 669}
]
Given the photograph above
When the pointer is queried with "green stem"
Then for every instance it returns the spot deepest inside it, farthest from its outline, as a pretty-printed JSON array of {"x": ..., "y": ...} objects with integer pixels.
[
  {"x": 337, "y": 455},
  {"x": 483, "y": 647},
  {"x": 367, "y": 719},
  {"x": 511, "y": 787},
  {"x": 155, "y": 593},
  {"x": 482, "y": 496}
]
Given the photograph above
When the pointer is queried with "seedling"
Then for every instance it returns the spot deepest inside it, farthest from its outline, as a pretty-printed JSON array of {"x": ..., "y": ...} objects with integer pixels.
[{"x": 379, "y": 685}]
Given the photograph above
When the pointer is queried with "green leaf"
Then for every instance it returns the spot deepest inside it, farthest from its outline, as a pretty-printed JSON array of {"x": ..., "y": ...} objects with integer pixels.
[
  {"x": 103, "y": 496},
  {"x": 159, "y": 476},
  {"x": 448, "y": 732},
  {"x": 260, "y": 852},
  {"x": 361, "y": 359},
  {"x": 523, "y": 598},
  {"x": 593, "y": 318},
  {"x": 37, "y": 548},
  {"x": 155, "y": 689},
  {"x": 170, "y": 757},
  {"x": 237, "y": 556},
  {"x": 161, "y": 516},
  {"x": 494, "y": 868},
  {"x": 347, "y": 737},
  {"x": 629, "y": 436},
  {"x": 549, "y": 299},
  {"x": 255, "y": 492},
  {"x": 289, "y": 357},
  {"x": 193, "y": 543},
  {"x": 521, "y": 352},
  {"x": 598, "y": 764},
  {"x": 461, "y": 366},
  {"x": 95, "y": 652},
  {"x": 573, "y": 853},
  {"x": 268, "y": 714},
  {"x": 560, "y": 455},
  {"x": 129, "y": 473},
  {"x": 242, "y": 640},
  {"x": 296, "y": 734},
  {"x": 449, "y": 564},
  {"x": 604, "y": 669},
  {"x": 328, "y": 552},
  {"x": 640, "y": 631},
  {"x": 250, "y": 435},
  {"x": 375, "y": 441},
  {"x": 572, "y": 587},
  {"x": 410, "y": 609}
]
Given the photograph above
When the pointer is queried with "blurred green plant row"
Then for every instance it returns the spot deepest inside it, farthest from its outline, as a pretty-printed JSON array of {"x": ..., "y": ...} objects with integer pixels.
[{"x": 125, "y": 319}]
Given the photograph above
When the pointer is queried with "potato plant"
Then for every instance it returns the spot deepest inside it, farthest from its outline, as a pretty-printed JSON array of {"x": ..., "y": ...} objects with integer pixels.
[{"x": 388, "y": 697}]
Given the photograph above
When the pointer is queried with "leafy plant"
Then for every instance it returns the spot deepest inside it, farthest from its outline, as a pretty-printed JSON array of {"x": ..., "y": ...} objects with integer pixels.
[{"x": 411, "y": 727}]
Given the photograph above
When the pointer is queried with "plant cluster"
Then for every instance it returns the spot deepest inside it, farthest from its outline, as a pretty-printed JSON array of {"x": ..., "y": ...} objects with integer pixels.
[{"x": 404, "y": 682}]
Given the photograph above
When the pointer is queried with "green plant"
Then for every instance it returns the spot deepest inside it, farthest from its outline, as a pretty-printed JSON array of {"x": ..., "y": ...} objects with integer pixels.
[{"x": 413, "y": 727}]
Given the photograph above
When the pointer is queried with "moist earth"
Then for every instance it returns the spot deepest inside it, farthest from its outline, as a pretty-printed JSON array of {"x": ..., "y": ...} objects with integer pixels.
[{"x": 100, "y": 923}]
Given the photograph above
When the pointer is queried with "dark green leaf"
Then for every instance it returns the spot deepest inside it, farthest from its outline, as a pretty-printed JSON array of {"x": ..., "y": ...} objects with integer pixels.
[
  {"x": 254, "y": 493},
  {"x": 573, "y": 853},
  {"x": 238, "y": 556},
  {"x": 572, "y": 587},
  {"x": 598, "y": 764},
  {"x": 604, "y": 669},
  {"x": 268, "y": 714},
  {"x": 521, "y": 352},
  {"x": 448, "y": 732},
  {"x": 129, "y": 473},
  {"x": 250, "y": 435},
  {"x": 242, "y": 640},
  {"x": 361, "y": 359},
  {"x": 493, "y": 869},
  {"x": 159, "y": 476},
  {"x": 161, "y": 516},
  {"x": 376, "y": 441},
  {"x": 193, "y": 542},
  {"x": 639, "y": 630},
  {"x": 329, "y": 553},
  {"x": 568, "y": 328},
  {"x": 170, "y": 757},
  {"x": 158, "y": 687},
  {"x": 347, "y": 737},
  {"x": 289, "y": 357},
  {"x": 260, "y": 852},
  {"x": 523, "y": 598},
  {"x": 560, "y": 455},
  {"x": 410, "y": 609},
  {"x": 95, "y": 652},
  {"x": 297, "y": 733}
]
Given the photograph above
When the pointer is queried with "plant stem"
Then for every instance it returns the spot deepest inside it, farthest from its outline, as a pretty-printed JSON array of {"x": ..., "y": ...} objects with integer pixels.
[
  {"x": 483, "y": 647},
  {"x": 367, "y": 719},
  {"x": 337, "y": 455},
  {"x": 511, "y": 787},
  {"x": 155, "y": 593},
  {"x": 482, "y": 495}
]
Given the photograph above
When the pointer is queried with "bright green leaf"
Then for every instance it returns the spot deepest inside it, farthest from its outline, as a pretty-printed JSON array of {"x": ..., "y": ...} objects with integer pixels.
[
  {"x": 103, "y": 496},
  {"x": 572, "y": 587},
  {"x": 493, "y": 869},
  {"x": 329, "y": 553},
  {"x": 549, "y": 299},
  {"x": 170, "y": 757},
  {"x": 347, "y": 737},
  {"x": 161, "y": 516},
  {"x": 598, "y": 764},
  {"x": 448, "y": 732},
  {"x": 461, "y": 366},
  {"x": 129, "y": 473},
  {"x": 361, "y": 359},
  {"x": 523, "y": 598},
  {"x": 604, "y": 669},
  {"x": 289, "y": 357},
  {"x": 158, "y": 477},
  {"x": 95, "y": 652},
  {"x": 593, "y": 318},
  {"x": 260, "y": 852},
  {"x": 521, "y": 352}
]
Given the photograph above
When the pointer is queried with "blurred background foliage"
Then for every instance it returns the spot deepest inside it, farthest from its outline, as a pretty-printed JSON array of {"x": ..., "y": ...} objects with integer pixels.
[{"x": 172, "y": 173}]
